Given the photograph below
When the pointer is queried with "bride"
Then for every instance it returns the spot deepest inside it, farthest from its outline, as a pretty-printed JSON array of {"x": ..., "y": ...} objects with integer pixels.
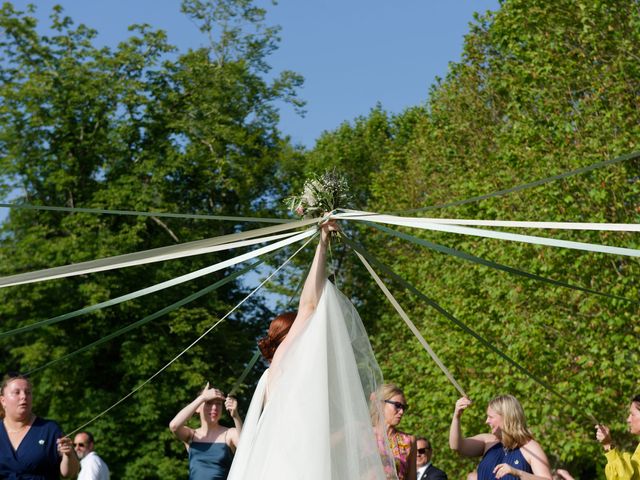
[{"x": 309, "y": 417}]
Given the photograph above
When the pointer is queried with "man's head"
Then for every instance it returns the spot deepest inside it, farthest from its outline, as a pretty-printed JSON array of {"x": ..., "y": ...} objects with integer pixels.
[
  {"x": 83, "y": 444},
  {"x": 424, "y": 452}
]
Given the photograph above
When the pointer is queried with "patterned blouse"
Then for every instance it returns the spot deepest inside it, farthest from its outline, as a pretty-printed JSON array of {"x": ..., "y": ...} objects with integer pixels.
[{"x": 400, "y": 446}]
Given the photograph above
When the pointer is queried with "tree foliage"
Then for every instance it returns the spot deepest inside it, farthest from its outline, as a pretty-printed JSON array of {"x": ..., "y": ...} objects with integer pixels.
[
  {"x": 138, "y": 127},
  {"x": 542, "y": 88}
]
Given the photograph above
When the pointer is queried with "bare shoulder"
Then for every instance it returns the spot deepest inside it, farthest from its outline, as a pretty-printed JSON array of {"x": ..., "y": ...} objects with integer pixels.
[
  {"x": 533, "y": 447},
  {"x": 534, "y": 454}
]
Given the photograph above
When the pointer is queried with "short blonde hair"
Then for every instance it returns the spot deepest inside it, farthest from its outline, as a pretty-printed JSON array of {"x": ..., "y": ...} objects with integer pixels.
[{"x": 515, "y": 432}]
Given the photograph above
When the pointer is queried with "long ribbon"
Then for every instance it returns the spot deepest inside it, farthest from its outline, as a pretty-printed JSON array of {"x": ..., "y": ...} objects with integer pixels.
[
  {"x": 152, "y": 316},
  {"x": 163, "y": 285},
  {"x": 595, "y": 226},
  {"x": 147, "y": 256},
  {"x": 104, "y": 412},
  {"x": 449, "y": 316},
  {"x": 416, "y": 222},
  {"x": 244, "y": 373},
  {"x": 26, "y": 206},
  {"x": 489, "y": 263},
  {"x": 411, "y": 325},
  {"x": 578, "y": 171}
]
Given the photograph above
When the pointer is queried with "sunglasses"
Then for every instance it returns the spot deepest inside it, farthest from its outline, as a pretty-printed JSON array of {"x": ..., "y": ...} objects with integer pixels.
[
  {"x": 423, "y": 451},
  {"x": 79, "y": 444},
  {"x": 397, "y": 405}
]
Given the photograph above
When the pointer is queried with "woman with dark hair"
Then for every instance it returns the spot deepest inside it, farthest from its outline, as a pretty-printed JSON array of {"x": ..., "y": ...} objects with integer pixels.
[
  {"x": 622, "y": 465},
  {"x": 211, "y": 445},
  {"x": 509, "y": 451},
  {"x": 30, "y": 446},
  {"x": 309, "y": 417}
]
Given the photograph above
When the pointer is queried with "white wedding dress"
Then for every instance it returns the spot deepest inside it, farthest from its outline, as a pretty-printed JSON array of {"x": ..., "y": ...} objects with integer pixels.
[{"x": 315, "y": 424}]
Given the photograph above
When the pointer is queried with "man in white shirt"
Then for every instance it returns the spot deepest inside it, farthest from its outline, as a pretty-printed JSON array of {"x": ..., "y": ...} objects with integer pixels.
[
  {"x": 426, "y": 470},
  {"x": 92, "y": 467}
]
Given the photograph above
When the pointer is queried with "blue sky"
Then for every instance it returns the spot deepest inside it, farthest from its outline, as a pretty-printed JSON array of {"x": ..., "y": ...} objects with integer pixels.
[{"x": 352, "y": 53}]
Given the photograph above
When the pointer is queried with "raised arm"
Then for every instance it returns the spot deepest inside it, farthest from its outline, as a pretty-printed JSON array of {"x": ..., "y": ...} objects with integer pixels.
[
  {"x": 231, "y": 404},
  {"x": 177, "y": 425},
  {"x": 468, "y": 447},
  {"x": 314, "y": 283},
  {"x": 311, "y": 291}
]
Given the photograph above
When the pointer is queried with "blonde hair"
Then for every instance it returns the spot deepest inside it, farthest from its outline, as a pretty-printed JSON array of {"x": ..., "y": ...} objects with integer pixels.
[
  {"x": 515, "y": 432},
  {"x": 384, "y": 392}
]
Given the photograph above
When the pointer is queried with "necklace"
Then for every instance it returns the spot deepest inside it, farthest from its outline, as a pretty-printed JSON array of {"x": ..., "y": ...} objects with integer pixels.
[{"x": 18, "y": 429}]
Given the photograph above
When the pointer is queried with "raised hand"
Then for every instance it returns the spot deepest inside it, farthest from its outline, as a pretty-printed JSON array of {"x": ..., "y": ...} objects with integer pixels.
[
  {"x": 603, "y": 435},
  {"x": 231, "y": 404},
  {"x": 327, "y": 228},
  {"x": 65, "y": 446},
  {"x": 461, "y": 405},
  {"x": 212, "y": 393}
]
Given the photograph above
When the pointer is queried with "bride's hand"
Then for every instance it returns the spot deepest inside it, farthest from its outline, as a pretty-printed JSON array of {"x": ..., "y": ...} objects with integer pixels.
[{"x": 328, "y": 227}]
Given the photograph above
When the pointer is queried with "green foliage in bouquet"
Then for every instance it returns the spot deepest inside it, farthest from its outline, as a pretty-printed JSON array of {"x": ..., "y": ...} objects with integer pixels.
[{"x": 322, "y": 193}]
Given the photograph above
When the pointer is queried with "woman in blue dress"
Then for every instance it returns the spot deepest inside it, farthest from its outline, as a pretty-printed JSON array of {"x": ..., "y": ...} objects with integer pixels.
[
  {"x": 31, "y": 448},
  {"x": 509, "y": 451},
  {"x": 210, "y": 446}
]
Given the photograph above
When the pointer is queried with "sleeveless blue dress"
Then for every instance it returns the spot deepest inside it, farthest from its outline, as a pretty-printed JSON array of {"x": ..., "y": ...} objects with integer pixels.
[
  {"x": 497, "y": 455},
  {"x": 209, "y": 461}
]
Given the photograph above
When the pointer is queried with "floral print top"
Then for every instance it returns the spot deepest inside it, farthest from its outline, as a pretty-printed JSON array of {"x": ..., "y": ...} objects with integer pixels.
[{"x": 400, "y": 446}]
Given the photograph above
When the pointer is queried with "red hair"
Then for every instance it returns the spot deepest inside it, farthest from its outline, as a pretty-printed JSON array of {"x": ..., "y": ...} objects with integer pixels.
[{"x": 277, "y": 332}]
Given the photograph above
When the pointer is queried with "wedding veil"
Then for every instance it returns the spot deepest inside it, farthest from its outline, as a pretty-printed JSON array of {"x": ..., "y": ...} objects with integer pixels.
[{"x": 316, "y": 422}]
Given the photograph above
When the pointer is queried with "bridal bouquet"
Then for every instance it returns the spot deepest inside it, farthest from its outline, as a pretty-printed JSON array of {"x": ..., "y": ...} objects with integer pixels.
[{"x": 322, "y": 193}]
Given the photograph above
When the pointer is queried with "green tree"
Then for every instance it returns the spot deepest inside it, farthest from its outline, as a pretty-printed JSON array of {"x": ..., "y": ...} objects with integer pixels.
[
  {"x": 139, "y": 127},
  {"x": 542, "y": 88}
]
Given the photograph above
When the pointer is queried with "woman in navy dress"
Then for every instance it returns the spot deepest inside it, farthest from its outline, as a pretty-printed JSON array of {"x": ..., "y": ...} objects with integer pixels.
[
  {"x": 509, "y": 451},
  {"x": 211, "y": 446},
  {"x": 31, "y": 448}
]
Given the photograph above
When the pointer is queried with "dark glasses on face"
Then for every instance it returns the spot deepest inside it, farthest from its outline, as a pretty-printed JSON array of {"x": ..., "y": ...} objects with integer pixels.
[
  {"x": 398, "y": 405},
  {"x": 423, "y": 451},
  {"x": 79, "y": 444}
]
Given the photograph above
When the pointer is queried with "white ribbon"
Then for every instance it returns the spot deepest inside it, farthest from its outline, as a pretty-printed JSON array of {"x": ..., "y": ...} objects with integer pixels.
[
  {"x": 411, "y": 325},
  {"x": 198, "y": 247},
  {"x": 167, "y": 365},
  {"x": 430, "y": 224}
]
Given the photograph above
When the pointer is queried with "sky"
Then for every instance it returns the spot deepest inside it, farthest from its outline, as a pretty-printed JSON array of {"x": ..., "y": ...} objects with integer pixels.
[{"x": 353, "y": 54}]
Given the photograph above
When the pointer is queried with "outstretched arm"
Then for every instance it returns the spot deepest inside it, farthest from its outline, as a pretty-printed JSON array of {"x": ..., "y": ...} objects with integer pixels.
[{"x": 311, "y": 291}]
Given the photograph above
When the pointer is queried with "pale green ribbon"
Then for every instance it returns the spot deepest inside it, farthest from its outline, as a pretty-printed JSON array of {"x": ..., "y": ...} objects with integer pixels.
[
  {"x": 153, "y": 316},
  {"x": 26, "y": 206},
  {"x": 408, "y": 286},
  {"x": 104, "y": 412},
  {"x": 488, "y": 263},
  {"x": 429, "y": 224},
  {"x": 411, "y": 325},
  {"x": 167, "y": 284},
  {"x": 536, "y": 183},
  {"x": 148, "y": 256}
]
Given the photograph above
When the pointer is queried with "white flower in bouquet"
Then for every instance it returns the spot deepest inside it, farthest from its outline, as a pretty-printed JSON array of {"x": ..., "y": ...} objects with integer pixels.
[{"x": 321, "y": 194}]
